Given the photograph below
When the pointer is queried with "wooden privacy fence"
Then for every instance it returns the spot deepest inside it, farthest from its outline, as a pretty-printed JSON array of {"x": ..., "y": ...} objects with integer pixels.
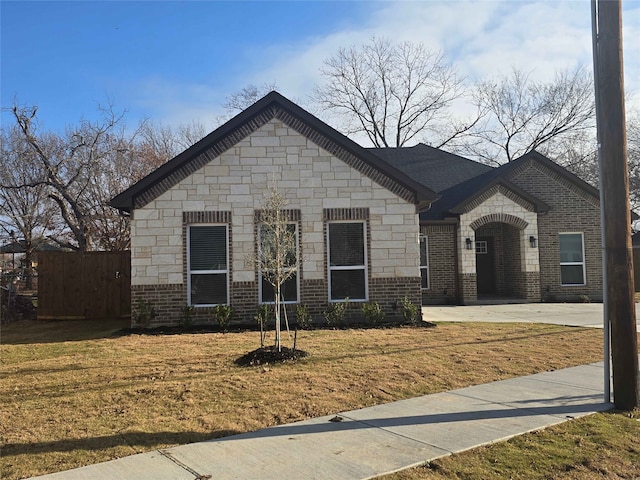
[{"x": 84, "y": 285}]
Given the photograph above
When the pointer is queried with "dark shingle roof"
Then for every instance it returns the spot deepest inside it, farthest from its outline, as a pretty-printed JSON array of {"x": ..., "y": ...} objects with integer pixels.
[
  {"x": 454, "y": 197},
  {"x": 434, "y": 168}
]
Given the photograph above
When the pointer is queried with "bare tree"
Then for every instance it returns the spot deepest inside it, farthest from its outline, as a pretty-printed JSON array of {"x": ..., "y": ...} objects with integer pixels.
[
  {"x": 393, "y": 93},
  {"x": 277, "y": 253},
  {"x": 70, "y": 166},
  {"x": 247, "y": 96},
  {"x": 633, "y": 157},
  {"x": 25, "y": 215},
  {"x": 522, "y": 115}
]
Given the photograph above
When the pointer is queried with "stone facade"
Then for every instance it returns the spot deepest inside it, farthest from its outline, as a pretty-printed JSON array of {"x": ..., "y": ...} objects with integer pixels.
[
  {"x": 510, "y": 221},
  {"x": 230, "y": 188}
]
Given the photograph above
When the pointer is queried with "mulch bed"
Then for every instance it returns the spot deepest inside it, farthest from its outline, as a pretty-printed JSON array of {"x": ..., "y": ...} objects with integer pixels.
[{"x": 269, "y": 355}]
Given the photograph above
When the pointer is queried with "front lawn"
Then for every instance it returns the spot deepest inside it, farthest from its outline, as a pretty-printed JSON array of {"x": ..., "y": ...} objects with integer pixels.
[{"x": 72, "y": 394}]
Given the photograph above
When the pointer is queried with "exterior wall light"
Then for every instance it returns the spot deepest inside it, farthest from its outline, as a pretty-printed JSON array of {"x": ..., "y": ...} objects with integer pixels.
[
  {"x": 469, "y": 244},
  {"x": 533, "y": 241}
]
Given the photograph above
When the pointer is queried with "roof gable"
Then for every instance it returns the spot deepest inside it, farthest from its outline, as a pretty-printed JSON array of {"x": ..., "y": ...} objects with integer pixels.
[
  {"x": 273, "y": 105},
  {"x": 458, "y": 198}
]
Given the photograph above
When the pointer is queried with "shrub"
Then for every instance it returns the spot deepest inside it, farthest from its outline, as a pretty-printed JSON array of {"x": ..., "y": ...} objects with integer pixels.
[
  {"x": 303, "y": 317},
  {"x": 143, "y": 313},
  {"x": 187, "y": 315},
  {"x": 372, "y": 312},
  {"x": 223, "y": 315},
  {"x": 409, "y": 311},
  {"x": 335, "y": 313}
]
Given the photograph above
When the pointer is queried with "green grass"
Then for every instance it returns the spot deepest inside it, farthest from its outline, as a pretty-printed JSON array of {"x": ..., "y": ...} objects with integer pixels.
[{"x": 604, "y": 445}]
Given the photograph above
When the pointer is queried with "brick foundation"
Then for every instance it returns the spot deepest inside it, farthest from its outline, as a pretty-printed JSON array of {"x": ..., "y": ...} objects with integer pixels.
[{"x": 169, "y": 301}]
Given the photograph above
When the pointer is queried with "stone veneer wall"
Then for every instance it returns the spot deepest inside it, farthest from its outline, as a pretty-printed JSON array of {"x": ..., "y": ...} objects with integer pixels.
[
  {"x": 442, "y": 276},
  {"x": 497, "y": 206},
  {"x": 572, "y": 210},
  {"x": 230, "y": 189}
]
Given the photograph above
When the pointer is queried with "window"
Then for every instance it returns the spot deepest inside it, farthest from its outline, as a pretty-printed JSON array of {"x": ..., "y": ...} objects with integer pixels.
[
  {"x": 572, "y": 259},
  {"x": 347, "y": 261},
  {"x": 289, "y": 288},
  {"x": 424, "y": 261},
  {"x": 207, "y": 269},
  {"x": 481, "y": 247}
]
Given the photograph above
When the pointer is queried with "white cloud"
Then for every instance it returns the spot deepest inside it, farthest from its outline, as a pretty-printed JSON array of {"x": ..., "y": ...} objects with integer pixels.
[{"x": 482, "y": 38}]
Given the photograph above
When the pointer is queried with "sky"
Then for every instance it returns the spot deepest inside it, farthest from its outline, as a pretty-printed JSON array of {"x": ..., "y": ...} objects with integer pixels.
[{"x": 177, "y": 62}]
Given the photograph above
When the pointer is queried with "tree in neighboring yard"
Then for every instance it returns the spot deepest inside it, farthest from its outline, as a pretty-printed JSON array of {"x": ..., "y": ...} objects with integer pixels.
[
  {"x": 71, "y": 168},
  {"x": 78, "y": 172},
  {"x": 277, "y": 253},
  {"x": 393, "y": 93},
  {"x": 247, "y": 96},
  {"x": 25, "y": 215},
  {"x": 521, "y": 114}
]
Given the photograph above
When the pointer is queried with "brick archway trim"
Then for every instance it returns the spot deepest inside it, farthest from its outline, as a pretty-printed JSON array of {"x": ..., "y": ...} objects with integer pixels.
[{"x": 500, "y": 218}]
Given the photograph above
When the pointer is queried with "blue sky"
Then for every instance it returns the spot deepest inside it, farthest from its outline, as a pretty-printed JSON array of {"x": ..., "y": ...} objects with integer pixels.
[{"x": 174, "y": 62}]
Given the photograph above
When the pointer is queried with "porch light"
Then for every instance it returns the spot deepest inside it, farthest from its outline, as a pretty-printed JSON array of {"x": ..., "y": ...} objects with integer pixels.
[
  {"x": 533, "y": 241},
  {"x": 469, "y": 244}
]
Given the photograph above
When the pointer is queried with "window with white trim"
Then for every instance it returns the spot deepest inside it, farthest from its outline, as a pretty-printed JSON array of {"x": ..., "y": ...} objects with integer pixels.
[
  {"x": 208, "y": 265},
  {"x": 290, "y": 288},
  {"x": 572, "y": 259},
  {"x": 346, "y": 250},
  {"x": 424, "y": 261}
]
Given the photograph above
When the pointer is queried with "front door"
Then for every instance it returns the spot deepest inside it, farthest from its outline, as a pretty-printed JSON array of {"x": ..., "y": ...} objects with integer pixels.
[{"x": 485, "y": 266}]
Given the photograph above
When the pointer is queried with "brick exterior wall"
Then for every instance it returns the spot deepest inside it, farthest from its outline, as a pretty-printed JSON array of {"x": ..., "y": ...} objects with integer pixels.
[
  {"x": 572, "y": 210},
  {"x": 442, "y": 276}
]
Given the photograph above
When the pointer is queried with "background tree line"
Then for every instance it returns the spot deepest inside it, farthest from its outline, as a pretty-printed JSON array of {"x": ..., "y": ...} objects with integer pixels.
[{"x": 57, "y": 186}]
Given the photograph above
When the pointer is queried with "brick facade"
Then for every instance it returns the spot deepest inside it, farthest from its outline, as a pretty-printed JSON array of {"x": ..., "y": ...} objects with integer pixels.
[
  {"x": 522, "y": 270},
  {"x": 442, "y": 275},
  {"x": 573, "y": 210}
]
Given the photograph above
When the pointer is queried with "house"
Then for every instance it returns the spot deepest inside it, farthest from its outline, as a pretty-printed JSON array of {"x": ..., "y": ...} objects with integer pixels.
[
  {"x": 528, "y": 230},
  {"x": 372, "y": 225},
  {"x": 195, "y": 220}
]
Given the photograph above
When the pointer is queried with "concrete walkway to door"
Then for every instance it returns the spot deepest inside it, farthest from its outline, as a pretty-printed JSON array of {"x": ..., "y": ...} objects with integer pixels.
[{"x": 570, "y": 314}]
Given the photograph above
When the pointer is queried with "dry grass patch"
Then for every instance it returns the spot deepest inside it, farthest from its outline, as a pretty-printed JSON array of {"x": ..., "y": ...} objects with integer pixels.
[
  {"x": 600, "y": 446},
  {"x": 72, "y": 395}
]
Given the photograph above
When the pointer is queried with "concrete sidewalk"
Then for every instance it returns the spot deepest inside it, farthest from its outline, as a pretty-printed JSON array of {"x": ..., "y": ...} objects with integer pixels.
[
  {"x": 372, "y": 441},
  {"x": 570, "y": 314}
]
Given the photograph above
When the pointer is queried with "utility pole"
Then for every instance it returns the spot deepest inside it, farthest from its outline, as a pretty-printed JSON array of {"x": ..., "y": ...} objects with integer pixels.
[{"x": 614, "y": 186}]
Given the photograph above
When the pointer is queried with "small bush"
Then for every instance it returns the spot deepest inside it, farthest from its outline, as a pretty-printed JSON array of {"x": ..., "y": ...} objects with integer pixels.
[
  {"x": 187, "y": 315},
  {"x": 223, "y": 315},
  {"x": 409, "y": 311},
  {"x": 373, "y": 312},
  {"x": 335, "y": 313},
  {"x": 303, "y": 317},
  {"x": 143, "y": 313}
]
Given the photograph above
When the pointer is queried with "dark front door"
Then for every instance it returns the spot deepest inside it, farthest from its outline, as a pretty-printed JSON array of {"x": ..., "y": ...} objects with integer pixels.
[{"x": 485, "y": 266}]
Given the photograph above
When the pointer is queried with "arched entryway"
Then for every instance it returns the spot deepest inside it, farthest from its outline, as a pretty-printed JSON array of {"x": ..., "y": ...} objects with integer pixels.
[
  {"x": 506, "y": 261},
  {"x": 499, "y": 261}
]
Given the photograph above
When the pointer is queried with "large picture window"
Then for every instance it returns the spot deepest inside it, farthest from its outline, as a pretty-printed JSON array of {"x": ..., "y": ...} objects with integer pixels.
[
  {"x": 424, "y": 261},
  {"x": 289, "y": 288},
  {"x": 572, "y": 259},
  {"x": 347, "y": 260},
  {"x": 207, "y": 265}
]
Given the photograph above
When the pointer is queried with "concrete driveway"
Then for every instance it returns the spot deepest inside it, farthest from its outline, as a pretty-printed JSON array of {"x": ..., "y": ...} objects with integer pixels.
[{"x": 571, "y": 314}]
